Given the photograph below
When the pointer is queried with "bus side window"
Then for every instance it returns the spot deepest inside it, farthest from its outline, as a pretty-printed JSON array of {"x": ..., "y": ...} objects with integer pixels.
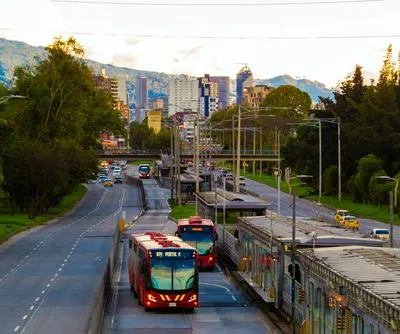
[
  {"x": 130, "y": 243},
  {"x": 142, "y": 254},
  {"x": 135, "y": 247}
]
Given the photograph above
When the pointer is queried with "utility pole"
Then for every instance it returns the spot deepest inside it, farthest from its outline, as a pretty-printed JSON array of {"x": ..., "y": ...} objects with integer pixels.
[
  {"x": 293, "y": 262},
  {"x": 339, "y": 162},
  {"x": 261, "y": 150},
  {"x": 233, "y": 143},
  {"x": 254, "y": 150},
  {"x": 391, "y": 219},
  {"x": 320, "y": 162},
  {"x": 172, "y": 171},
  {"x": 178, "y": 149},
  {"x": 237, "y": 185}
]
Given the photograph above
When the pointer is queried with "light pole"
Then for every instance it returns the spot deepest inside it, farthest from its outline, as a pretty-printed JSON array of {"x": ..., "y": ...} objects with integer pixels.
[{"x": 385, "y": 177}]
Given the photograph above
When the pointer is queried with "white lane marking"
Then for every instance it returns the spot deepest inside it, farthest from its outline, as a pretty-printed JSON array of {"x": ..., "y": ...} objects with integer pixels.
[
  {"x": 24, "y": 317},
  {"x": 37, "y": 299},
  {"x": 48, "y": 285},
  {"x": 218, "y": 286},
  {"x": 52, "y": 279},
  {"x": 56, "y": 274},
  {"x": 43, "y": 291},
  {"x": 65, "y": 260},
  {"x": 233, "y": 297},
  {"x": 16, "y": 328},
  {"x": 62, "y": 264},
  {"x": 218, "y": 267},
  {"x": 32, "y": 307},
  {"x": 49, "y": 236}
]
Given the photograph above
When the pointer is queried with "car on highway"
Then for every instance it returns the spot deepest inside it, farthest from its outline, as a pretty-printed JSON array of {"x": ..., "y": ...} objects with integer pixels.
[
  {"x": 380, "y": 233},
  {"x": 340, "y": 213},
  {"x": 108, "y": 183},
  {"x": 116, "y": 172},
  {"x": 118, "y": 179},
  {"x": 242, "y": 180},
  {"x": 102, "y": 178},
  {"x": 350, "y": 222},
  {"x": 229, "y": 177}
]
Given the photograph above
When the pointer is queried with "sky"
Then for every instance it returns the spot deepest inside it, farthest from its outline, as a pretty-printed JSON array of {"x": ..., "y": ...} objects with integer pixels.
[{"x": 319, "y": 40}]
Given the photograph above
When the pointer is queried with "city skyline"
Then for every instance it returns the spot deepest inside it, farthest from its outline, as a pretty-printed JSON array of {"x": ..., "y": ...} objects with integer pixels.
[{"x": 317, "y": 40}]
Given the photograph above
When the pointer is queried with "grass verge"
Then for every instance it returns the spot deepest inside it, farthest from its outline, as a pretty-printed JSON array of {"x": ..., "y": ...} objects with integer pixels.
[
  {"x": 184, "y": 211},
  {"x": 12, "y": 224}
]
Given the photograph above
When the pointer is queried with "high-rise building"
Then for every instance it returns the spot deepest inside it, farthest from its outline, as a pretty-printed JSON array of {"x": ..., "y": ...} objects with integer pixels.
[
  {"x": 183, "y": 94},
  {"x": 254, "y": 96},
  {"x": 141, "y": 98},
  {"x": 223, "y": 83},
  {"x": 122, "y": 92},
  {"x": 208, "y": 96},
  {"x": 244, "y": 79}
]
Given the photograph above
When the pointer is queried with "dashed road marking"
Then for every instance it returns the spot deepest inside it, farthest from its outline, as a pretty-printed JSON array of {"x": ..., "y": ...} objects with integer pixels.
[
  {"x": 37, "y": 299},
  {"x": 24, "y": 317},
  {"x": 32, "y": 307},
  {"x": 43, "y": 291},
  {"x": 16, "y": 328}
]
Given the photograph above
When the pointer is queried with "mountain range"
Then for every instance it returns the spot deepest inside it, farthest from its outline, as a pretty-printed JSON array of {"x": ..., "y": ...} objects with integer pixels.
[{"x": 16, "y": 53}]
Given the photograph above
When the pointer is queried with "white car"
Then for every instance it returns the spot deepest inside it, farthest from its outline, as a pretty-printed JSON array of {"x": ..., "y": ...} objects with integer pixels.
[
  {"x": 242, "y": 181},
  {"x": 116, "y": 172},
  {"x": 380, "y": 233}
]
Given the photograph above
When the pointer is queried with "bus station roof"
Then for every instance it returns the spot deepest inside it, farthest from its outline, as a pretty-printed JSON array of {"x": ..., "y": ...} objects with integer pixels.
[
  {"x": 376, "y": 270},
  {"x": 233, "y": 201}
]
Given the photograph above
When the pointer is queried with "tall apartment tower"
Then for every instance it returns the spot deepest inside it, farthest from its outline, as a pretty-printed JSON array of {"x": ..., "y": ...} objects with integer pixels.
[
  {"x": 141, "y": 98},
  {"x": 208, "y": 96},
  {"x": 183, "y": 94},
  {"x": 244, "y": 79},
  {"x": 223, "y": 83}
]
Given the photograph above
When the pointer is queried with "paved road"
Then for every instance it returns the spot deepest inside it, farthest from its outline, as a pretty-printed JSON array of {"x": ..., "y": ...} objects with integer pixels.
[
  {"x": 48, "y": 275},
  {"x": 223, "y": 308},
  {"x": 306, "y": 208}
]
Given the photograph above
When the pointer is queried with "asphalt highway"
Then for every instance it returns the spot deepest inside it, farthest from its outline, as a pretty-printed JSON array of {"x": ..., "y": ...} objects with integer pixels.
[
  {"x": 223, "y": 308},
  {"x": 306, "y": 208},
  {"x": 48, "y": 275}
]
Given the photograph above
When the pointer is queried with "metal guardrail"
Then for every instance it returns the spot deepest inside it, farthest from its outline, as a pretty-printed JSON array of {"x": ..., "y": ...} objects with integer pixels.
[{"x": 228, "y": 244}]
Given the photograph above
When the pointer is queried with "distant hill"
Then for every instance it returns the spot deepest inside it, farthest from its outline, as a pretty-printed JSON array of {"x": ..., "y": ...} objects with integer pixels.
[
  {"x": 313, "y": 88},
  {"x": 15, "y": 53}
]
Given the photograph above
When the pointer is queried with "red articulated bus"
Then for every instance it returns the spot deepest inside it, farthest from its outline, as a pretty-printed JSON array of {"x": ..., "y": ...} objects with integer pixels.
[
  {"x": 163, "y": 271},
  {"x": 201, "y": 234}
]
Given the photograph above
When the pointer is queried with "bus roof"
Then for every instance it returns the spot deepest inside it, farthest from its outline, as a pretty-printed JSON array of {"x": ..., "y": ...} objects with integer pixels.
[
  {"x": 157, "y": 240},
  {"x": 195, "y": 220}
]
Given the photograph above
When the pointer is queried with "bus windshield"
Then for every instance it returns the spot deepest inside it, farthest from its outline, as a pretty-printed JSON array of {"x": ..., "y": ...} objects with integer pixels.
[
  {"x": 144, "y": 169},
  {"x": 172, "y": 270},
  {"x": 199, "y": 237}
]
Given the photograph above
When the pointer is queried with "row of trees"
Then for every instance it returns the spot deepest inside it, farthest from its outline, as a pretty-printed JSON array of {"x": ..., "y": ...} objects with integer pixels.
[
  {"x": 48, "y": 138},
  {"x": 370, "y": 132}
]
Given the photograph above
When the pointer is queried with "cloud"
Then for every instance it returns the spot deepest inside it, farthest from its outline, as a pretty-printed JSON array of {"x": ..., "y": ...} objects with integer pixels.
[
  {"x": 130, "y": 41},
  {"x": 187, "y": 53},
  {"x": 124, "y": 59}
]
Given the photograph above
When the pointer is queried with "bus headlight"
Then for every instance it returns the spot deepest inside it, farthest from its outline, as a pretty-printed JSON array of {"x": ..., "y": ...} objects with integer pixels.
[
  {"x": 192, "y": 298},
  {"x": 151, "y": 298}
]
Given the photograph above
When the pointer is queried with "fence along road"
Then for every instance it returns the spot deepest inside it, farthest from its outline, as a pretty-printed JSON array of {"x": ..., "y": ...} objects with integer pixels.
[{"x": 223, "y": 309}]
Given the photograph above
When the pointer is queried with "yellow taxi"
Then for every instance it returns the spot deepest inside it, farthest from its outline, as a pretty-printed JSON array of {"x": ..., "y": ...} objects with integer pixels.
[
  {"x": 108, "y": 183},
  {"x": 340, "y": 214},
  {"x": 350, "y": 222}
]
